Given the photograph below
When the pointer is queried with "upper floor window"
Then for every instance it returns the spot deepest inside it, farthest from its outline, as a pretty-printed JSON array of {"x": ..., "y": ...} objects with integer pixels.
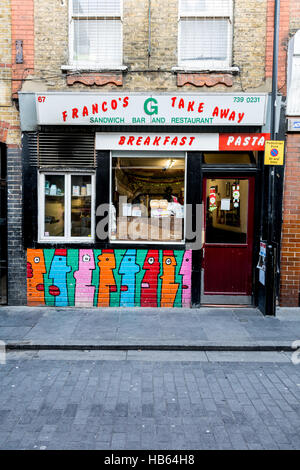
[
  {"x": 96, "y": 33},
  {"x": 205, "y": 33}
]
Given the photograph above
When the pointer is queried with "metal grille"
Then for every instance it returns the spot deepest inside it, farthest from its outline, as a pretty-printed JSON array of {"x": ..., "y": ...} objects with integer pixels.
[
  {"x": 32, "y": 146},
  {"x": 66, "y": 150}
]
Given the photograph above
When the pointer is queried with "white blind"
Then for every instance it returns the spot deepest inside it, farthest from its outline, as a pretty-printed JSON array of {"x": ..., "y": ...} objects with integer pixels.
[
  {"x": 203, "y": 40},
  {"x": 98, "y": 42},
  {"x": 205, "y": 30},
  {"x": 205, "y": 7},
  {"x": 97, "y": 7},
  {"x": 97, "y": 33}
]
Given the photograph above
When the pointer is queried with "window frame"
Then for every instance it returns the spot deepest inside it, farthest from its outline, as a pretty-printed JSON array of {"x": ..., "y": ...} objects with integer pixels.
[
  {"x": 205, "y": 64},
  {"x": 85, "y": 65},
  {"x": 147, "y": 154},
  {"x": 67, "y": 238}
]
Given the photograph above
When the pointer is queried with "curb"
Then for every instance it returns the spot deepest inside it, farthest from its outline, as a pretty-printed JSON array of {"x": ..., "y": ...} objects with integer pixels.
[{"x": 143, "y": 347}]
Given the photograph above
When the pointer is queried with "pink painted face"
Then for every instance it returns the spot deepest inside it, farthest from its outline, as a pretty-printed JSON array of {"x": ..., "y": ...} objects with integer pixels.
[
  {"x": 186, "y": 273},
  {"x": 86, "y": 266},
  {"x": 186, "y": 269}
]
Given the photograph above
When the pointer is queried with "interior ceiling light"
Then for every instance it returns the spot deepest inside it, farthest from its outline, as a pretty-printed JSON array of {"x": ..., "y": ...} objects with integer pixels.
[{"x": 169, "y": 164}]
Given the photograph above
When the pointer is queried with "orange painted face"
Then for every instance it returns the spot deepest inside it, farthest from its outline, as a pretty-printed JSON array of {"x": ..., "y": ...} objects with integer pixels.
[
  {"x": 35, "y": 279},
  {"x": 169, "y": 264},
  {"x": 169, "y": 286},
  {"x": 107, "y": 283}
]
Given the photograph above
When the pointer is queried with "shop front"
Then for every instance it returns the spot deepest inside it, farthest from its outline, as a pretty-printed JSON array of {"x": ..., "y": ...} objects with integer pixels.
[{"x": 139, "y": 200}]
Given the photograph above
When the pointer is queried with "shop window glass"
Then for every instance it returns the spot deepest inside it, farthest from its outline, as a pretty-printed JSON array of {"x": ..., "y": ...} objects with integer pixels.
[
  {"x": 234, "y": 158},
  {"x": 54, "y": 206},
  {"x": 65, "y": 207},
  {"x": 81, "y": 206},
  {"x": 226, "y": 211},
  {"x": 148, "y": 198}
]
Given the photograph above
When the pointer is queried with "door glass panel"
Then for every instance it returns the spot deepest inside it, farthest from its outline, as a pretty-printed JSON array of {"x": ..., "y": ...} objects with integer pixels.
[
  {"x": 226, "y": 210},
  {"x": 54, "y": 205},
  {"x": 81, "y": 205}
]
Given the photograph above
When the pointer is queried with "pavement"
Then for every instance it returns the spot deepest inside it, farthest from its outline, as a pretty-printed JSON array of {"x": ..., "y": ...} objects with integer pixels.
[
  {"x": 134, "y": 400},
  {"x": 119, "y": 379},
  {"x": 148, "y": 328}
]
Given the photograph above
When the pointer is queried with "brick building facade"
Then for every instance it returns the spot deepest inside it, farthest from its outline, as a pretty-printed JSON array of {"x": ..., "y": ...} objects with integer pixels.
[{"x": 149, "y": 65}]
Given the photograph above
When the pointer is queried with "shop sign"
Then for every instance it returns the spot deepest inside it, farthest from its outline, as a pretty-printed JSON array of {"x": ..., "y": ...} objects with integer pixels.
[
  {"x": 208, "y": 109},
  {"x": 294, "y": 124},
  {"x": 274, "y": 152},
  {"x": 261, "y": 265},
  {"x": 243, "y": 141},
  {"x": 212, "y": 199},
  {"x": 183, "y": 142}
]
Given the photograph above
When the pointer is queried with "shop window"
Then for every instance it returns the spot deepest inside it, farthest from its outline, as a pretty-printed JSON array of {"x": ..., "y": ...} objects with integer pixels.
[
  {"x": 227, "y": 210},
  {"x": 205, "y": 34},
  {"x": 66, "y": 207},
  {"x": 147, "y": 200},
  {"x": 227, "y": 158},
  {"x": 96, "y": 33}
]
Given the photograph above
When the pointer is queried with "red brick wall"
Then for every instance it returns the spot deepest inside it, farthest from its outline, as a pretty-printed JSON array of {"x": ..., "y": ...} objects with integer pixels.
[
  {"x": 22, "y": 17},
  {"x": 283, "y": 41},
  {"x": 290, "y": 254}
]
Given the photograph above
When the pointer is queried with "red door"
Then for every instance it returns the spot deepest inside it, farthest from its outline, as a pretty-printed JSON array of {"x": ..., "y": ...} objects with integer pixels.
[{"x": 228, "y": 246}]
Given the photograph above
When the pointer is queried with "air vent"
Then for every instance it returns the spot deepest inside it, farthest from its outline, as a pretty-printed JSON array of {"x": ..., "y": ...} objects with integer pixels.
[
  {"x": 32, "y": 146},
  {"x": 66, "y": 150}
]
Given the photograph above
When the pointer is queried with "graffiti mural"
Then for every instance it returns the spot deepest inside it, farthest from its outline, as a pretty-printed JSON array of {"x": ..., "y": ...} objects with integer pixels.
[
  {"x": 84, "y": 290},
  {"x": 35, "y": 277},
  {"x": 58, "y": 274},
  {"x": 149, "y": 284},
  {"x": 107, "y": 283},
  {"x": 109, "y": 278}
]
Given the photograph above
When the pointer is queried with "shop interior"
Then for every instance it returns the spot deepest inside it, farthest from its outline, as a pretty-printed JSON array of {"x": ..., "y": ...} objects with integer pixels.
[{"x": 148, "y": 191}]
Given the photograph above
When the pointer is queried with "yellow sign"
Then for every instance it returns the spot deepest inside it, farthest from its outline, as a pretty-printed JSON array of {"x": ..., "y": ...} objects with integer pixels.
[{"x": 274, "y": 152}]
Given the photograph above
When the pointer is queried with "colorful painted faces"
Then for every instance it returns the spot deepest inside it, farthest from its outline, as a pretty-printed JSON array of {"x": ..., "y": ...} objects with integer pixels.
[
  {"x": 35, "y": 277},
  {"x": 161, "y": 283},
  {"x": 84, "y": 290},
  {"x": 150, "y": 279},
  {"x": 58, "y": 273},
  {"x": 169, "y": 287},
  {"x": 128, "y": 270},
  {"x": 107, "y": 283},
  {"x": 186, "y": 273}
]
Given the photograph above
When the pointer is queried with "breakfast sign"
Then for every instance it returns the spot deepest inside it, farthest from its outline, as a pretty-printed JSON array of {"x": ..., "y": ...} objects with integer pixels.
[{"x": 207, "y": 109}]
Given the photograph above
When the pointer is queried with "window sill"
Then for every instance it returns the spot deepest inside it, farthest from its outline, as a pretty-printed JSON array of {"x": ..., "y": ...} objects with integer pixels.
[
  {"x": 91, "y": 76},
  {"x": 182, "y": 69},
  {"x": 58, "y": 240},
  {"x": 209, "y": 78},
  {"x": 96, "y": 68},
  {"x": 148, "y": 242}
]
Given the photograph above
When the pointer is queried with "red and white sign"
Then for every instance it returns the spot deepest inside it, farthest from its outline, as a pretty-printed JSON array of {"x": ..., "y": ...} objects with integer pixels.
[
  {"x": 142, "y": 109},
  {"x": 181, "y": 142},
  {"x": 242, "y": 141}
]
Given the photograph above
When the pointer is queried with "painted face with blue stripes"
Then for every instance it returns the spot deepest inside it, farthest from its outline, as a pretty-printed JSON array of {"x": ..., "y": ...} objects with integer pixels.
[{"x": 128, "y": 270}]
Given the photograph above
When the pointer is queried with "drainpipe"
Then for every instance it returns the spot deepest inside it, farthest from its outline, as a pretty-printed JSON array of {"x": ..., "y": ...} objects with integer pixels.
[
  {"x": 272, "y": 244},
  {"x": 149, "y": 32}
]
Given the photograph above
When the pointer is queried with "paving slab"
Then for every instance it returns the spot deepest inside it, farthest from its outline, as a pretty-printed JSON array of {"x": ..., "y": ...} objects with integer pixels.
[{"x": 199, "y": 328}]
